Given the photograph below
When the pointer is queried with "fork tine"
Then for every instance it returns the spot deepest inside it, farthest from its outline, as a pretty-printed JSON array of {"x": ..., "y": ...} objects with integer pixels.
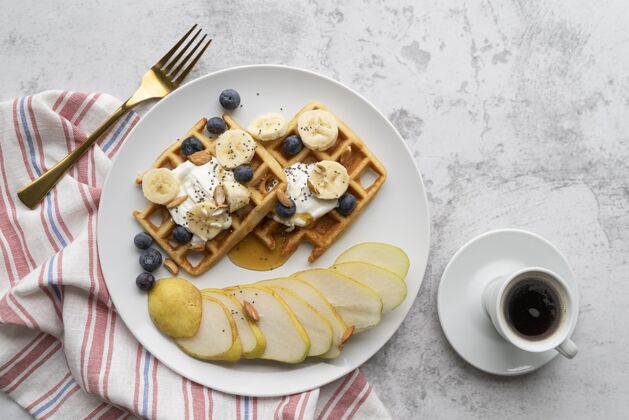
[
  {"x": 165, "y": 58},
  {"x": 186, "y": 58},
  {"x": 185, "y": 72},
  {"x": 178, "y": 56}
]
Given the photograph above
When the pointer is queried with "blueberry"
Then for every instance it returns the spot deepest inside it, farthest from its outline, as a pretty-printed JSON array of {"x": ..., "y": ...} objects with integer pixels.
[
  {"x": 243, "y": 173},
  {"x": 191, "y": 145},
  {"x": 143, "y": 240},
  {"x": 283, "y": 211},
  {"x": 292, "y": 145},
  {"x": 216, "y": 125},
  {"x": 150, "y": 259},
  {"x": 229, "y": 99},
  {"x": 145, "y": 281},
  {"x": 181, "y": 234},
  {"x": 346, "y": 205}
]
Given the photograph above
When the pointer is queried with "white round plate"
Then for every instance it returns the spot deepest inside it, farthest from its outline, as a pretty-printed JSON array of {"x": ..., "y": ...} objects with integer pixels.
[
  {"x": 398, "y": 215},
  {"x": 463, "y": 318}
]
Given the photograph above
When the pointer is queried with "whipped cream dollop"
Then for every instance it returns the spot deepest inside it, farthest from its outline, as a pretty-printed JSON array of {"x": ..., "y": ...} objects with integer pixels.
[
  {"x": 199, "y": 183},
  {"x": 308, "y": 207}
]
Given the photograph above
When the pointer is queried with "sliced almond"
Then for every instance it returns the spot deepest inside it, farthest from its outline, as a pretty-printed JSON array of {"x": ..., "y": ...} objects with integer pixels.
[
  {"x": 171, "y": 266},
  {"x": 283, "y": 199},
  {"x": 200, "y": 158},
  {"x": 262, "y": 186},
  {"x": 319, "y": 168},
  {"x": 251, "y": 311},
  {"x": 176, "y": 201},
  {"x": 347, "y": 334},
  {"x": 138, "y": 179},
  {"x": 346, "y": 156},
  {"x": 312, "y": 187},
  {"x": 267, "y": 184},
  {"x": 219, "y": 196},
  {"x": 219, "y": 211},
  {"x": 198, "y": 246}
]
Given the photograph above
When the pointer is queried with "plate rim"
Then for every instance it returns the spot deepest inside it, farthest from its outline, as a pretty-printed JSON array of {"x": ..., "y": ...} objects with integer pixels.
[
  {"x": 424, "y": 198},
  {"x": 464, "y": 248}
]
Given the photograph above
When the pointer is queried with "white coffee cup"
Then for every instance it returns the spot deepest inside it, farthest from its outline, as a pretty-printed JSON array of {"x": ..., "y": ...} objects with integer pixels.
[{"x": 494, "y": 300}]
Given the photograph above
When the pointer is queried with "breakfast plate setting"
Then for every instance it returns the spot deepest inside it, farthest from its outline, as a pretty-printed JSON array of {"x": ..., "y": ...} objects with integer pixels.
[
  {"x": 257, "y": 228},
  {"x": 246, "y": 242}
]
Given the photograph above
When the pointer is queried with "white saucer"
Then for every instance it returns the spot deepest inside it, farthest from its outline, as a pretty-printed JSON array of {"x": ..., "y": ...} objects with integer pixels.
[{"x": 463, "y": 318}]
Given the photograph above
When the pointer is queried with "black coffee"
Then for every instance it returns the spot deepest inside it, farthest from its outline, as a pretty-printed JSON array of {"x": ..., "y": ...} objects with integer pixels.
[{"x": 532, "y": 308}]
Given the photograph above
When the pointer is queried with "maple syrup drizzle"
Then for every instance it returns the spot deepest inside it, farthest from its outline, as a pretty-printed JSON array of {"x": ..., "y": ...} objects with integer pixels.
[{"x": 252, "y": 254}]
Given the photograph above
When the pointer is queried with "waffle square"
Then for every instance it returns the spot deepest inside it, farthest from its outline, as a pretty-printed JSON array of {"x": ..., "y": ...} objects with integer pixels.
[
  {"x": 351, "y": 152},
  {"x": 268, "y": 177}
]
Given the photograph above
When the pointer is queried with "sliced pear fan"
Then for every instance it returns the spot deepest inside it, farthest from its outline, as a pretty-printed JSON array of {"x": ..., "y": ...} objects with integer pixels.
[
  {"x": 217, "y": 337},
  {"x": 311, "y": 313}
]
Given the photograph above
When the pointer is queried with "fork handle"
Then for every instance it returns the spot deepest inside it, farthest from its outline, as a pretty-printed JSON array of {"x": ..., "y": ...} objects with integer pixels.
[{"x": 34, "y": 192}]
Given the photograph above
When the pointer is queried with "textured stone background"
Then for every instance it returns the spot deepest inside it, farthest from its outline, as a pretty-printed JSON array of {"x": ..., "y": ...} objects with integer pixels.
[{"x": 516, "y": 112}]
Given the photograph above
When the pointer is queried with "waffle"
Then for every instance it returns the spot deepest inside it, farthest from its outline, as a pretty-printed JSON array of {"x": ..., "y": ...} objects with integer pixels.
[
  {"x": 322, "y": 232},
  {"x": 156, "y": 220}
]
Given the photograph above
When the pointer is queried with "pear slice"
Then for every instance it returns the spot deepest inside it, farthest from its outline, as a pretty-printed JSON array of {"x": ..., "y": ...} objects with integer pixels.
[
  {"x": 383, "y": 255},
  {"x": 217, "y": 337},
  {"x": 252, "y": 339},
  {"x": 318, "y": 328},
  {"x": 286, "y": 339},
  {"x": 390, "y": 287},
  {"x": 356, "y": 303},
  {"x": 317, "y": 301}
]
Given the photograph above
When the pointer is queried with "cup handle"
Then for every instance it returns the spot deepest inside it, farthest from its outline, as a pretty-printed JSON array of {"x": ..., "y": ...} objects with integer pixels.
[{"x": 567, "y": 349}]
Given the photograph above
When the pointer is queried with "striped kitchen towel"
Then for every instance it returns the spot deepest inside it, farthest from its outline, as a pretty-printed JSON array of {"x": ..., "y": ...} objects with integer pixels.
[{"x": 64, "y": 352}]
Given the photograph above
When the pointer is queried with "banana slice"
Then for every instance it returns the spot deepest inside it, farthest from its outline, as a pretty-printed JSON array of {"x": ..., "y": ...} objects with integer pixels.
[
  {"x": 318, "y": 129},
  {"x": 160, "y": 185},
  {"x": 329, "y": 179},
  {"x": 207, "y": 220},
  {"x": 268, "y": 127},
  {"x": 237, "y": 195},
  {"x": 234, "y": 147}
]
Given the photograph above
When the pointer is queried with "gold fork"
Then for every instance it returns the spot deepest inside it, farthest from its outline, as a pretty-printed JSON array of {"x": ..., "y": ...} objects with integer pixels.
[{"x": 161, "y": 79}]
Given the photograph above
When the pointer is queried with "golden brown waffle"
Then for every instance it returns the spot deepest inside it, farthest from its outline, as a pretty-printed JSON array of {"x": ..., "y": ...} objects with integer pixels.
[
  {"x": 321, "y": 233},
  {"x": 156, "y": 219}
]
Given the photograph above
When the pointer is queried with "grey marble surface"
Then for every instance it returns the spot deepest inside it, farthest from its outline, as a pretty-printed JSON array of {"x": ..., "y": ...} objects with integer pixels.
[{"x": 517, "y": 116}]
